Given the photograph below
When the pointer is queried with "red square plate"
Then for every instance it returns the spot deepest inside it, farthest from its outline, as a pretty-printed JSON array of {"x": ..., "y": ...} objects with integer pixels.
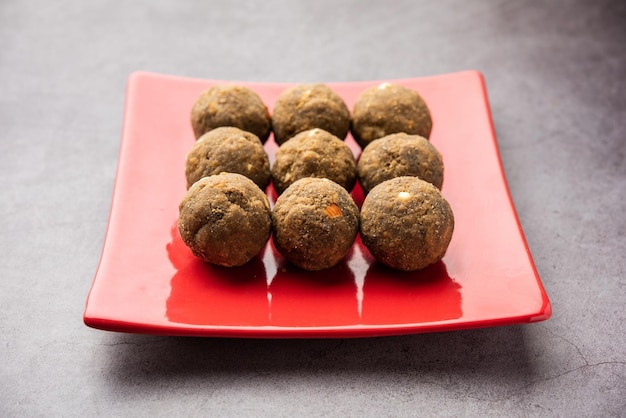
[{"x": 149, "y": 282}]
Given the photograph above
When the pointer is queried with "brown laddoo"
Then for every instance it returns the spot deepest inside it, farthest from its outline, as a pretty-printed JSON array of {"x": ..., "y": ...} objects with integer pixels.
[
  {"x": 225, "y": 219},
  {"x": 406, "y": 223},
  {"x": 230, "y": 105},
  {"x": 231, "y": 150},
  {"x": 388, "y": 109},
  {"x": 308, "y": 106},
  {"x": 315, "y": 222},
  {"x": 399, "y": 155},
  {"x": 313, "y": 153}
]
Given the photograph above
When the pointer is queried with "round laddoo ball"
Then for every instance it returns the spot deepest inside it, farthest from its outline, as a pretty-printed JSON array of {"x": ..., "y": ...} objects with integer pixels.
[
  {"x": 406, "y": 223},
  {"x": 315, "y": 222},
  {"x": 231, "y": 150},
  {"x": 308, "y": 106},
  {"x": 230, "y": 105},
  {"x": 398, "y": 155},
  {"x": 313, "y": 153},
  {"x": 388, "y": 109},
  {"x": 225, "y": 219}
]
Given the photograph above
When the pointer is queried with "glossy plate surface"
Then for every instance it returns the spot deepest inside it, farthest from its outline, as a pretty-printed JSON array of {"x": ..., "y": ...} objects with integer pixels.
[{"x": 149, "y": 282}]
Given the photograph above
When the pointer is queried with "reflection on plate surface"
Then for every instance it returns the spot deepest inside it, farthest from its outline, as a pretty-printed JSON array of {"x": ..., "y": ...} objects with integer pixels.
[{"x": 149, "y": 282}]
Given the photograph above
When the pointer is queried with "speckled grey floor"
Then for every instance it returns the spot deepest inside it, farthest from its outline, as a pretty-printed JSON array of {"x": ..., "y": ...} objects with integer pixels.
[{"x": 555, "y": 76}]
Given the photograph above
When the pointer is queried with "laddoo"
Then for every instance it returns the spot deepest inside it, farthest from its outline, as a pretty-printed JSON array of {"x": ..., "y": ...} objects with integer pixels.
[
  {"x": 406, "y": 223},
  {"x": 230, "y": 105},
  {"x": 225, "y": 219},
  {"x": 399, "y": 155},
  {"x": 228, "y": 149},
  {"x": 308, "y": 106},
  {"x": 315, "y": 222},
  {"x": 313, "y": 153},
  {"x": 387, "y": 109}
]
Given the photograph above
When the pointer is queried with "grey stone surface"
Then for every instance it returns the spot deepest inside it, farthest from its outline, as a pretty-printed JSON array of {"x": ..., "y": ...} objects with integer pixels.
[{"x": 555, "y": 74}]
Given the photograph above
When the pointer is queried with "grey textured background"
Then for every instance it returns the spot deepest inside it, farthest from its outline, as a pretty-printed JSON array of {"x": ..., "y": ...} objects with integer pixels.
[{"x": 555, "y": 74}]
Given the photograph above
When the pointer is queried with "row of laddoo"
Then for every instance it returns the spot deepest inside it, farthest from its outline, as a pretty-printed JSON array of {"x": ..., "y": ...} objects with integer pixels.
[
  {"x": 226, "y": 219},
  {"x": 313, "y": 153},
  {"x": 378, "y": 111}
]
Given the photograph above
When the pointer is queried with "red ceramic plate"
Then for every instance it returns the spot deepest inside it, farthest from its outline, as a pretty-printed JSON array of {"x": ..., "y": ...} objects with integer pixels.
[{"x": 149, "y": 282}]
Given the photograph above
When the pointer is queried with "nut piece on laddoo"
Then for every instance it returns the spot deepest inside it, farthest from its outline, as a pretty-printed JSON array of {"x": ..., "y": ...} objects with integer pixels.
[
  {"x": 398, "y": 155},
  {"x": 225, "y": 219},
  {"x": 388, "y": 109},
  {"x": 313, "y": 153},
  {"x": 230, "y": 105},
  {"x": 231, "y": 150},
  {"x": 308, "y": 106},
  {"x": 406, "y": 223},
  {"x": 315, "y": 222}
]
